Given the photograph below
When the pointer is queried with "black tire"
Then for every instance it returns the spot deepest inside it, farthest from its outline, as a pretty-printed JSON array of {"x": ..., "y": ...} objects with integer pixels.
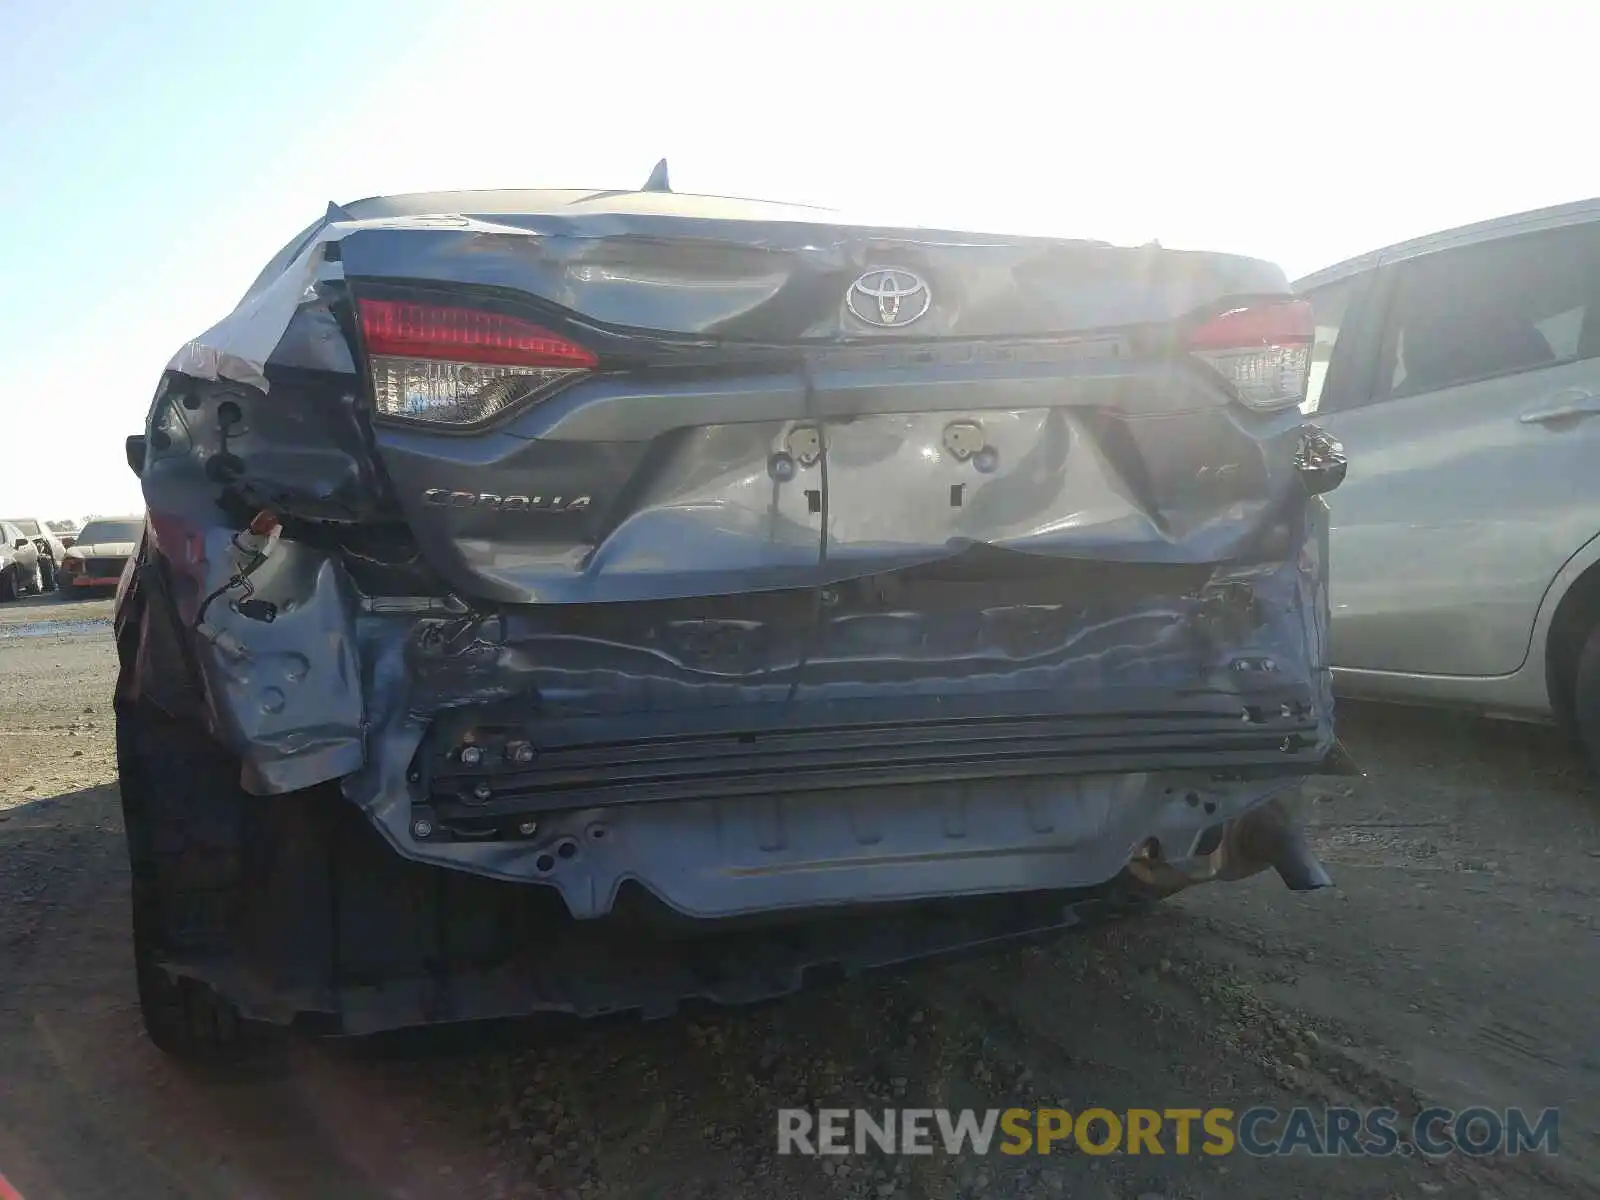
[
  {"x": 182, "y": 813},
  {"x": 8, "y": 582},
  {"x": 1586, "y": 697},
  {"x": 47, "y": 573}
]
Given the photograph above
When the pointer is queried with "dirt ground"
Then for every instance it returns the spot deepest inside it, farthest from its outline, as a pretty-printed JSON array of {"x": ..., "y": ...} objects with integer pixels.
[{"x": 1457, "y": 962}]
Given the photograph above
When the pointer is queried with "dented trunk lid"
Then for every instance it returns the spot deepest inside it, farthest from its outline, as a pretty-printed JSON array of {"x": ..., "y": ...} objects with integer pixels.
[
  {"x": 750, "y": 271},
  {"x": 750, "y": 427}
]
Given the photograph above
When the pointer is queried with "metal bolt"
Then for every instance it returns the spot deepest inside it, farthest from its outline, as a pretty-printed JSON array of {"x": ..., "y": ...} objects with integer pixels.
[
  {"x": 482, "y": 792},
  {"x": 781, "y": 467},
  {"x": 528, "y": 828},
  {"x": 421, "y": 828},
  {"x": 963, "y": 439},
  {"x": 1253, "y": 664},
  {"x": 471, "y": 756},
  {"x": 805, "y": 443}
]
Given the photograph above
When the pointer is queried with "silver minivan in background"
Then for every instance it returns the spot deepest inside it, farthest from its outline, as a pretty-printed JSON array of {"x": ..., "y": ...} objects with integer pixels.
[{"x": 1461, "y": 371}]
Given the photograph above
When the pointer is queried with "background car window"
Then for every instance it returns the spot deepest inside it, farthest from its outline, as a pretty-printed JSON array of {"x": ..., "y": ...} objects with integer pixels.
[
  {"x": 1515, "y": 304},
  {"x": 1329, "y": 305},
  {"x": 29, "y": 528},
  {"x": 98, "y": 532}
]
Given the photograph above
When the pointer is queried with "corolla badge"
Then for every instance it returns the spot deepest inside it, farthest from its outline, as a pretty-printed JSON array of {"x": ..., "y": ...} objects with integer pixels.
[
  {"x": 889, "y": 297},
  {"x": 445, "y": 498}
]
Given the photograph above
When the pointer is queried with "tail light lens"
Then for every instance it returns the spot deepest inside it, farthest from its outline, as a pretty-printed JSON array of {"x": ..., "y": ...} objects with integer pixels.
[
  {"x": 460, "y": 366},
  {"x": 1263, "y": 351}
]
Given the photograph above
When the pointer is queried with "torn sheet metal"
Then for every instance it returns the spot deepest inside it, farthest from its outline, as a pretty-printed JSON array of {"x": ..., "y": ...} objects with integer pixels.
[
  {"x": 238, "y": 346},
  {"x": 326, "y": 693},
  {"x": 829, "y": 622},
  {"x": 335, "y": 688},
  {"x": 1246, "y": 660}
]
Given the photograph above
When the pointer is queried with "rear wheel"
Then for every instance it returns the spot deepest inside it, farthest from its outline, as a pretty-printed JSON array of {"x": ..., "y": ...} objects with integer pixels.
[
  {"x": 8, "y": 582},
  {"x": 182, "y": 812},
  {"x": 1586, "y": 697}
]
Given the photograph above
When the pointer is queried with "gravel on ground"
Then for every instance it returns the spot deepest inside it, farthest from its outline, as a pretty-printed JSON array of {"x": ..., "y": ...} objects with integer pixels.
[{"x": 1455, "y": 963}]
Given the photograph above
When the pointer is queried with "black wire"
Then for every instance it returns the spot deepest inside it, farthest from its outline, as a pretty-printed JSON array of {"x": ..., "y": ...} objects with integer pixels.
[{"x": 240, "y": 578}]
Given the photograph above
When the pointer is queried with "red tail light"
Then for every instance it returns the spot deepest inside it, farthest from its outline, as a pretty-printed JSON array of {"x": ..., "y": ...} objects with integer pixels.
[
  {"x": 1263, "y": 351},
  {"x": 394, "y": 327},
  {"x": 460, "y": 366}
]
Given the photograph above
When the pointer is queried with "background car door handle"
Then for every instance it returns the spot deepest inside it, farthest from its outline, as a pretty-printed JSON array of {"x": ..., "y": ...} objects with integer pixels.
[{"x": 1563, "y": 406}]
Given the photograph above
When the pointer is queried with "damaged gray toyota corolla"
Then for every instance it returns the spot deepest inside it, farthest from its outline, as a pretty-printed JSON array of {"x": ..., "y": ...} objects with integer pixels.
[{"x": 592, "y": 602}]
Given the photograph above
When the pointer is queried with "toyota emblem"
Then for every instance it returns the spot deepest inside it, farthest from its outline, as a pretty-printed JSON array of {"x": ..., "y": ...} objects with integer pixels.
[{"x": 889, "y": 297}]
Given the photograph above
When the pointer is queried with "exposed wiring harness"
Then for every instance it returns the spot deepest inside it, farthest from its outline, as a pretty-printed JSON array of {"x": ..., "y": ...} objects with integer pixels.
[{"x": 264, "y": 525}]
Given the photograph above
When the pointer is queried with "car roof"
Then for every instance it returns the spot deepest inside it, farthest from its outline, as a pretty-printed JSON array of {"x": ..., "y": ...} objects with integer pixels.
[
  {"x": 545, "y": 201},
  {"x": 1555, "y": 216}
]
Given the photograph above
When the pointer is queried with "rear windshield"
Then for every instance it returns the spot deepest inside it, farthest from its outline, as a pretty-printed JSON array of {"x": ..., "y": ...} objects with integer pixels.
[
  {"x": 96, "y": 532},
  {"x": 29, "y": 528}
]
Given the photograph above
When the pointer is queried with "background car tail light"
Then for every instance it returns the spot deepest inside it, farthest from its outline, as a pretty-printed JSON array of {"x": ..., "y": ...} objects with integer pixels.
[
  {"x": 1263, "y": 351},
  {"x": 460, "y": 366}
]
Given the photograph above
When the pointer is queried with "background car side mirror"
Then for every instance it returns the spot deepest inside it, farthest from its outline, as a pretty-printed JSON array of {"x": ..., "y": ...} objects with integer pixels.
[{"x": 134, "y": 448}]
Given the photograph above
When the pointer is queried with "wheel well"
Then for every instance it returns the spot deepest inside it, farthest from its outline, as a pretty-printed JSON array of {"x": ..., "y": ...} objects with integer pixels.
[{"x": 1576, "y": 615}]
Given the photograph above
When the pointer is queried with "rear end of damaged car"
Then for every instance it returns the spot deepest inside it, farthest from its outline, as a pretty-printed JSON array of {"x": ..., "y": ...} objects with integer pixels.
[{"x": 598, "y": 602}]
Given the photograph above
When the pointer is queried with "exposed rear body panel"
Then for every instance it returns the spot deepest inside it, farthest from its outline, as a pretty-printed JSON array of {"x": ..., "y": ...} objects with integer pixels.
[{"x": 812, "y": 565}]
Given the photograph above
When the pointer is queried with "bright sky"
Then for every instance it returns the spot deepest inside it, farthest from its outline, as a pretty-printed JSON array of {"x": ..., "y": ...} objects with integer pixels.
[{"x": 154, "y": 155}]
